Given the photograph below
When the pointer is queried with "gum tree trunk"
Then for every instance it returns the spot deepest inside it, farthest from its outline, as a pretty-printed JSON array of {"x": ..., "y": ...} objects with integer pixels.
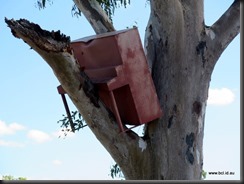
[
  {"x": 181, "y": 53},
  {"x": 181, "y": 71}
]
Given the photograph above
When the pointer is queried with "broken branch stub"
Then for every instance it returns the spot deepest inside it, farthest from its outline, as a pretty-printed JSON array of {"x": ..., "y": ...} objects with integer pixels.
[
  {"x": 55, "y": 48},
  {"x": 50, "y": 41}
]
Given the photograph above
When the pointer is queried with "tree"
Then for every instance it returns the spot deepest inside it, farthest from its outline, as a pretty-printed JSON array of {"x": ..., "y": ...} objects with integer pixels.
[
  {"x": 181, "y": 52},
  {"x": 10, "y": 177}
]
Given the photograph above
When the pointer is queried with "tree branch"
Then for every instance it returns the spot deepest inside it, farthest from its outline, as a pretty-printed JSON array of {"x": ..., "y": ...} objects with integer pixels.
[
  {"x": 225, "y": 29},
  {"x": 54, "y": 48},
  {"x": 95, "y": 15}
]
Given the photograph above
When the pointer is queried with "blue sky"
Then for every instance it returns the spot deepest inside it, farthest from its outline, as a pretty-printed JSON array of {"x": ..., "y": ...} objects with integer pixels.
[{"x": 30, "y": 105}]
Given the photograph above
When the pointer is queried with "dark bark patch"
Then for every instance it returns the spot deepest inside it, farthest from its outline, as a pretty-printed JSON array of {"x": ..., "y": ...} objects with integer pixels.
[
  {"x": 190, "y": 139},
  {"x": 131, "y": 134},
  {"x": 202, "y": 45},
  {"x": 145, "y": 137},
  {"x": 165, "y": 98},
  {"x": 170, "y": 121},
  {"x": 197, "y": 107},
  {"x": 162, "y": 177},
  {"x": 166, "y": 42},
  {"x": 172, "y": 117},
  {"x": 90, "y": 89},
  {"x": 150, "y": 27},
  {"x": 189, "y": 156}
]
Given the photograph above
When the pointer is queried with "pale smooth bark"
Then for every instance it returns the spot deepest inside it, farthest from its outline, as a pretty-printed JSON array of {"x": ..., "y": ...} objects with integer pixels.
[
  {"x": 93, "y": 12},
  {"x": 181, "y": 53}
]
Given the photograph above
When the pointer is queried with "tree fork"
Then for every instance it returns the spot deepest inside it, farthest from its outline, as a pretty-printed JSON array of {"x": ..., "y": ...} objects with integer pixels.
[
  {"x": 54, "y": 48},
  {"x": 182, "y": 69}
]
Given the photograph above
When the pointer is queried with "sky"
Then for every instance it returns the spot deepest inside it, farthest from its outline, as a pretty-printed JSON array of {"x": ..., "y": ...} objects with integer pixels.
[{"x": 30, "y": 105}]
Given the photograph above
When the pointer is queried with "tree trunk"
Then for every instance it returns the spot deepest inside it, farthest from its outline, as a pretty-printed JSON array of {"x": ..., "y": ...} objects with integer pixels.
[
  {"x": 181, "y": 77},
  {"x": 181, "y": 53}
]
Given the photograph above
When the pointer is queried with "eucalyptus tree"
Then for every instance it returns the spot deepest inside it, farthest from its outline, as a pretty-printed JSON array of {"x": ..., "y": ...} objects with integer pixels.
[{"x": 181, "y": 52}]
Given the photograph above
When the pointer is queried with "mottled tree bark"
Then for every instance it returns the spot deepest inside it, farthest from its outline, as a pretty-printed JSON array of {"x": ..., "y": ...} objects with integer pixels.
[{"x": 181, "y": 53}]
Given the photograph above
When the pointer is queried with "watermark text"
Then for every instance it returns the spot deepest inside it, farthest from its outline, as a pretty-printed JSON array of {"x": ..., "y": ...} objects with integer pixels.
[{"x": 222, "y": 173}]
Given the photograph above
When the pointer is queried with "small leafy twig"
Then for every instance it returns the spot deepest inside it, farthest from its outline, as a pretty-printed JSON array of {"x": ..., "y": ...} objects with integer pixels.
[
  {"x": 115, "y": 171},
  {"x": 77, "y": 122}
]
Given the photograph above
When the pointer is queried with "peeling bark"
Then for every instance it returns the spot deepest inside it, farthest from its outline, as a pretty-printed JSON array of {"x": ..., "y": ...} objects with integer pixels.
[
  {"x": 181, "y": 53},
  {"x": 182, "y": 59}
]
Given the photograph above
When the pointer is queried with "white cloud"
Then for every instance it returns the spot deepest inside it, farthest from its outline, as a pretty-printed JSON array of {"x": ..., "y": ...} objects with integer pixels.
[
  {"x": 10, "y": 144},
  {"x": 221, "y": 96},
  {"x": 38, "y": 136},
  {"x": 57, "y": 162},
  {"x": 16, "y": 126},
  {"x": 9, "y": 129}
]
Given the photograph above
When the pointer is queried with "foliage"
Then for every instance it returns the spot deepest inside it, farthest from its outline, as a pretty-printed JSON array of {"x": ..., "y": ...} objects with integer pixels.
[
  {"x": 75, "y": 11},
  {"x": 42, "y": 3},
  {"x": 204, "y": 174},
  {"x": 77, "y": 121},
  {"x": 9, "y": 177},
  {"x": 73, "y": 123},
  {"x": 108, "y": 6},
  {"x": 115, "y": 171}
]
